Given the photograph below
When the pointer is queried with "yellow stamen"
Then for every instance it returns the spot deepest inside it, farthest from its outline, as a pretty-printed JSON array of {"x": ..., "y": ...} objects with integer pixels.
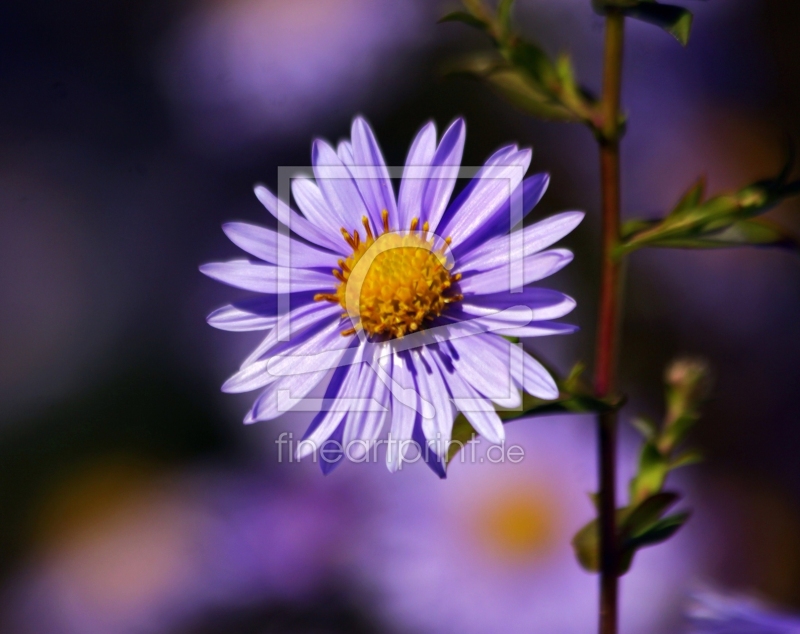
[
  {"x": 348, "y": 239},
  {"x": 393, "y": 283},
  {"x": 326, "y": 297},
  {"x": 367, "y": 228}
]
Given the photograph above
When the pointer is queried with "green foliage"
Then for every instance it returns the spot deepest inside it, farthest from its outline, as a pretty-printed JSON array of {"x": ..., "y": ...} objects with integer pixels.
[
  {"x": 521, "y": 71},
  {"x": 643, "y": 522},
  {"x": 640, "y": 525},
  {"x": 723, "y": 221},
  {"x": 574, "y": 397},
  {"x": 675, "y": 20}
]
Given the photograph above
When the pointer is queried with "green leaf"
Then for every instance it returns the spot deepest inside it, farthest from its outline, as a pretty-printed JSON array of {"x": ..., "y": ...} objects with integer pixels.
[
  {"x": 660, "y": 531},
  {"x": 462, "y": 433},
  {"x": 751, "y": 231},
  {"x": 651, "y": 474},
  {"x": 465, "y": 18},
  {"x": 689, "y": 457},
  {"x": 723, "y": 221},
  {"x": 534, "y": 61},
  {"x": 693, "y": 196},
  {"x": 517, "y": 87},
  {"x": 586, "y": 545},
  {"x": 644, "y": 515},
  {"x": 504, "y": 15},
  {"x": 676, "y": 21}
]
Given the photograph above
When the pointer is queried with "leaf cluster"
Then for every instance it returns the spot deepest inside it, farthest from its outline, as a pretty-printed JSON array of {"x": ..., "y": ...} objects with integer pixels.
[
  {"x": 528, "y": 78},
  {"x": 726, "y": 220},
  {"x": 521, "y": 71},
  {"x": 644, "y": 521}
]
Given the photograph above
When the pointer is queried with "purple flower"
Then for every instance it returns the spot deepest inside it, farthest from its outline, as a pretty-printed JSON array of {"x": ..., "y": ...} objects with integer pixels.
[
  {"x": 404, "y": 303},
  {"x": 489, "y": 551},
  {"x": 715, "y": 613}
]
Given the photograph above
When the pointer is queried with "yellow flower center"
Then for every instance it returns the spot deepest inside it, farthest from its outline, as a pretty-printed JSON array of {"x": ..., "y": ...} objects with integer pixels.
[
  {"x": 519, "y": 524},
  {"x": 393, "y": 283}
]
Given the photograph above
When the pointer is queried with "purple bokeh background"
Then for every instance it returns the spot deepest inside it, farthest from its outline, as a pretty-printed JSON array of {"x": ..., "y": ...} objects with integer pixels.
[{"x": 132, "y": 497}]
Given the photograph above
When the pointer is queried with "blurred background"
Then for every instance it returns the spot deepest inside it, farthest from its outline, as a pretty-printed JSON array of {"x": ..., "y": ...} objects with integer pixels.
[{"x": 133, "y": 499}]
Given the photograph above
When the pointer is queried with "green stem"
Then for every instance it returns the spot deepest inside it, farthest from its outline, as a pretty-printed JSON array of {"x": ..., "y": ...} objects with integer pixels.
[{"x": 608, "y": 319}]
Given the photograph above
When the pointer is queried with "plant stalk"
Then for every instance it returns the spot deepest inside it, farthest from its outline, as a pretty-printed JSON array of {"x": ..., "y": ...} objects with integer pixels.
[{"x": 608, "y": 319}]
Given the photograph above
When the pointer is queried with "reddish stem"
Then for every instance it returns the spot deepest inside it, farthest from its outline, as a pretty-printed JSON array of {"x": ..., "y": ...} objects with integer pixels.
[{"x": 608, "y": 319}]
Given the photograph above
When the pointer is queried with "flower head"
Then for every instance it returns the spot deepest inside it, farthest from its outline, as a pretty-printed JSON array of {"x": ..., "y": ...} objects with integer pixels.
[
  {"x": 401, "y": 303},
  {"x": 487, "y": 552}
]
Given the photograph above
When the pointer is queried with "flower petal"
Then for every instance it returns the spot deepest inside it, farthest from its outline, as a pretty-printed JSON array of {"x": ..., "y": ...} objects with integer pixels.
[
  {"x": 533, "y": 329},
  {"x": 501, "y": 250},
  {"x": 488, "y": 197},
  {"x": 295, "y": 323},
  {"x": 509, "y": 215},
  {"x": 415, "y": 173},
  {"x": 479, "y": 411},
  {"x": 327, "y": 422},
  {"x": 527, "y": 371},
  {"x": 445, "y": 165},
  {"x": 302, "y": 227},
  {"x": 256, "y": 313},
  {"x": 263, "y": 244},
  {"x": 260, "y": 373},
  {"x": 429, "y": 455},
  {"x": 284, "y": 394},
  {"x": 403, "y": 412},
  {"x": 315, "y": 208},
  {"x": 365, "y": 421},
  {"x": 534, "y": 268},
  {"x": 338, "y": 186},
  {"x": 432, "y": 388},
  {"x": 478, "y": 363},
  {"x": 345, "y": 153},
  {"x": 542, "y": 302},
  {"x": 500, "y": 157},
  {"x": 372, "y": 177},
  {"x": 266, "y": 278}
]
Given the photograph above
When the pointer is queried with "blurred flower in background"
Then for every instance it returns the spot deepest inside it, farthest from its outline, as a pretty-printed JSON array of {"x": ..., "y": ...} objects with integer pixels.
[
  {"x": 240, "y": 71},
  {"x": 124, "y": 548},
  {"x": 716, "y": 613},
  {"x": 486, "y": 550}
]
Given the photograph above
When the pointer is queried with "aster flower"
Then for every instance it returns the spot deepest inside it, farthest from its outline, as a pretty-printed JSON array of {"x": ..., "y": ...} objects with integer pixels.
[
  {"x": 406, "y": 300},
  {"x": 714, "y": 613}
]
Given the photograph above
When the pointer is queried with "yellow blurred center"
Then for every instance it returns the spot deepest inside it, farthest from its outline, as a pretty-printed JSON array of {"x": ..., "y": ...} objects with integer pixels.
[
  {"x": 393, "y": 283},
  {"x": 518, "y": 524}
]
